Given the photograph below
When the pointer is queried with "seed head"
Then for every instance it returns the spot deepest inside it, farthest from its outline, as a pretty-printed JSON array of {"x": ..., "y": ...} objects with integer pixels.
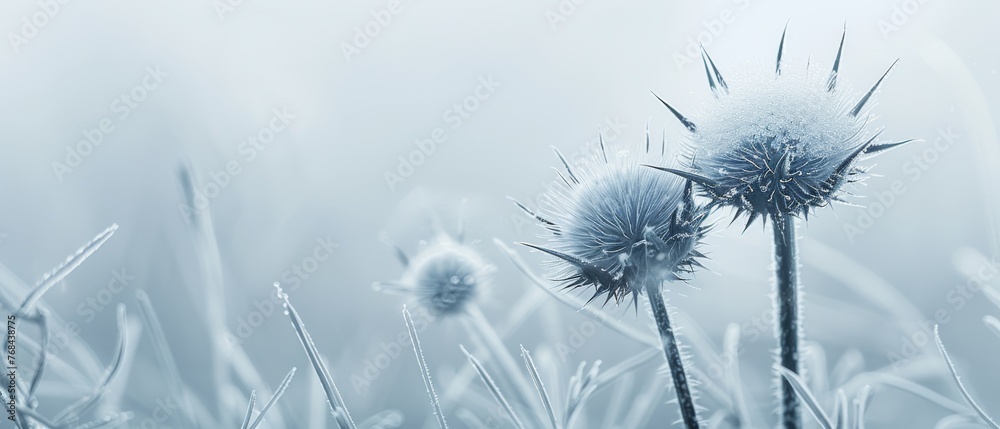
[
  {"x": 444, "y": 275},
  {"x": 779, "y": 143},
  {"x": 614, "y": 224}
]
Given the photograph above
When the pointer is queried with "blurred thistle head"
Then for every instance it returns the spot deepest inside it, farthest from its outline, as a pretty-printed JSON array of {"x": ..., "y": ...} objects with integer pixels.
[
  {"x": 781, "y": 142},
  {"x": 615, "y": 225},
  {"x": 444, "y": 275}
]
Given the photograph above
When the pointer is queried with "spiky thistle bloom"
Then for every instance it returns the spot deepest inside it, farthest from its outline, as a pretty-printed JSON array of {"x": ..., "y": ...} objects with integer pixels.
[
  {"x": 778, "y": 146},
  {"x": 779, "y": 142},
  {"x": 615, "y": 225},
  {"x": 624, "y": 229},
  {"x": 444, "y": 275}
]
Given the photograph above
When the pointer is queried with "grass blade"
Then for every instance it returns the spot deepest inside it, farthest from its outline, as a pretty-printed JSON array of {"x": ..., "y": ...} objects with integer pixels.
[
  {"x": 492, "y": 387},
  {"x": 619, "y": 396},
  {"x": 67, "y": 267},
  {"x": 424, "y": 371},
  {"x": 992, "y": 324},
  {"x": 86, "y": 402},
  {"x": 161, "y": 348},
  {"x": 840, "y": 410},
  {"x": 992, "y": 294},
  {"x": 913, "y": 388},
  {"x": 861, "y": 280},
  {"x": 114, "y": 398},
  {"x": 519, "y": 313},
  {"x": 43, "y": 324},
  {"x": 540, "y": 387},
  {"x": 645, "y": 403},
  {"x": 958, "y": 381},
  {"x": 274, "y": 399},
  {"x": 861, "y": 407},
  {"x": 246, "y": 418},
  {"x": 111, "y": 421},
  {"x": 86, "y": 363},
  {"x": 731, "y": 346},
  {"x": 806, "y": 396},
  {"x": 388, "y": 419},
  {"x": 333, "y": 397},
  {"x": 317, "y": 404},
  {"x": 479, "y": 327}
]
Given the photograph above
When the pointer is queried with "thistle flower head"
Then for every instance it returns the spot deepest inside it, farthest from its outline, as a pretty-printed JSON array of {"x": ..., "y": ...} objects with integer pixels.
[
  {"x": 444, "y": 275},
  {"x": 780, "y": 142},
  {"x": 615, "y": 225}
]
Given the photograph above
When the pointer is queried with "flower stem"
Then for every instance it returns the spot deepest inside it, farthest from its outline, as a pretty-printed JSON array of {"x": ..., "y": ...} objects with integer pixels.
[
  {"x": 684, "y": 399},
  {"x": 512, "y": 374},
  {"x": 786, "y": 276}
]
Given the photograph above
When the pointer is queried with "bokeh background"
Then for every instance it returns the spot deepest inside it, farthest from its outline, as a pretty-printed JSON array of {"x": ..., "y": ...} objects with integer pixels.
[{"x": 216, "y": 72}]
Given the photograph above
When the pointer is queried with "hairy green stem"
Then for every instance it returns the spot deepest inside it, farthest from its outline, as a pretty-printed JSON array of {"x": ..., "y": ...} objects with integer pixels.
[
  {"x": 786, "y": 274},
  {"x": 684, "y": 399}
]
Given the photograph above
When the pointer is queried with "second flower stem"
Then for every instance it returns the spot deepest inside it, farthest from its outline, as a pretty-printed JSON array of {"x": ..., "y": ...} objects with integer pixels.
[
  {"x": 684, "y": 399},
  {"x": 786, "y": 274}
]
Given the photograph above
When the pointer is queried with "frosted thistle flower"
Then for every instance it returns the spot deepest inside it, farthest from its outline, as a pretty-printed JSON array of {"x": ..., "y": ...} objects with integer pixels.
[
  {"x": 444, "y": 276},
  {"x": 779, "y": 145},
  {"x": 781, "y": 142},
  {"x": 616, "y": 225},
  {"x": 624, "y": 229}
]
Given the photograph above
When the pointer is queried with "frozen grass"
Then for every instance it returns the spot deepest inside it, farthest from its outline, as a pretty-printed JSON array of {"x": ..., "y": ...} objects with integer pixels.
[
  {"x": 837, "y": 398},
  {"x": 424, "y": 371}
]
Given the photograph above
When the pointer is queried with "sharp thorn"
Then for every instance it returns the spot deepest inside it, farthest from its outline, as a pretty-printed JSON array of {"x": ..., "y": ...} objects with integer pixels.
[
  {"x": 876, "y": 148},
  {"x": 701, "y": 180},
  {"x": 687, "y": 123},
  {"x": 781, "y": 49},
  {"x": 864, "y": 100},
  {"x": 566, "y": 165},
  {"x": 836, "y": 62}
]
